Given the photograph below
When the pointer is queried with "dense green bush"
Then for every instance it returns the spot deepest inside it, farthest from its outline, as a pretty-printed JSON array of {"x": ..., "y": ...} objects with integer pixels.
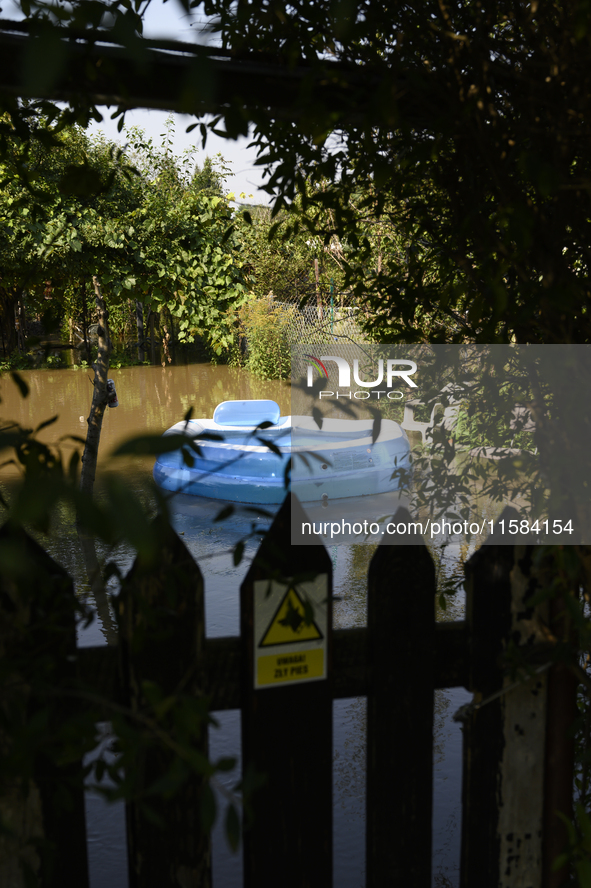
[{"x": 263, "y": 346}]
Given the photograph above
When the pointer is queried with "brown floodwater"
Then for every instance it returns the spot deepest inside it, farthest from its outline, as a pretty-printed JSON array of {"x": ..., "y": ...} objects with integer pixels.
[{"x": 151, "y": 399}]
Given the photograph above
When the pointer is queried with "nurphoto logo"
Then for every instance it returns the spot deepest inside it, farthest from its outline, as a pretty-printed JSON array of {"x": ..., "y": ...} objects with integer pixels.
[{"x": 395, "y": 368}]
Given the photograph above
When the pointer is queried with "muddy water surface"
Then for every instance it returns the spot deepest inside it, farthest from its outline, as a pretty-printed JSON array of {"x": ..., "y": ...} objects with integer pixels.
[{"x": 150, "y": 399}]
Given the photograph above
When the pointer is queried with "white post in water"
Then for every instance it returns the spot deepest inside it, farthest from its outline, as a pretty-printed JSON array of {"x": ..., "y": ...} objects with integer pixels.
[{"x": 521, "y": 769}]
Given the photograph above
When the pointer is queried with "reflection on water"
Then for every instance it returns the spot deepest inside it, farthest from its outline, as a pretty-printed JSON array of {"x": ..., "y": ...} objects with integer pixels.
[{"x": 152, "y": 399}]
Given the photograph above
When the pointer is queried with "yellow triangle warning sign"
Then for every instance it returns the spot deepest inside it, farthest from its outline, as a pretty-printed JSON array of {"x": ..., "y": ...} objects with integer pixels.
[{"x": 289, "y": 623}]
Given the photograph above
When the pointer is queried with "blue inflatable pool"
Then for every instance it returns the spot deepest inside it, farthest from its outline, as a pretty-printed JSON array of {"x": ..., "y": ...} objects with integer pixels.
[{"x": 243, "y": 463}]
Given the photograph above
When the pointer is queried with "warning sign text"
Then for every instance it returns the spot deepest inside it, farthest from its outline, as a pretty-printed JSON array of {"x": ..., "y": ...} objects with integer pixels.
[{"x": 275, "y": 668}]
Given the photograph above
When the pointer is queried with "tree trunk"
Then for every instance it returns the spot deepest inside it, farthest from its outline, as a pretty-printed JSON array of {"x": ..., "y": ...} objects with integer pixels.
[
  {"x": 172, "y": 336},
  {"x": 22, "y": 315},
  {"x": 152, "y": 338},
  {"x": 99, "y": 395},
  {"x": 8, "y": 303},
  {"x": 139, "y": 318},
  {"x": 85, "y": 322},
  {"x": 166, "y": 356},
  {"x": 90, "y": 456}
]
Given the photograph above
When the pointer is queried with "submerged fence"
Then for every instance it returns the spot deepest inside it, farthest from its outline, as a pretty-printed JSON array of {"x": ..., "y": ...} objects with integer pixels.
[{"x": 283, "y": 672}]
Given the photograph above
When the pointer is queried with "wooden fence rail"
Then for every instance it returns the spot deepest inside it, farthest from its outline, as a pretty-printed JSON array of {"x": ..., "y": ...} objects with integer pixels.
[{"x": 283, "y": 672}]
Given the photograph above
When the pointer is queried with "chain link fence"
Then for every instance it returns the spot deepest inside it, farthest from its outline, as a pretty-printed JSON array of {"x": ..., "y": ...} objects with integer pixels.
[{"x": 320, "y": 316}]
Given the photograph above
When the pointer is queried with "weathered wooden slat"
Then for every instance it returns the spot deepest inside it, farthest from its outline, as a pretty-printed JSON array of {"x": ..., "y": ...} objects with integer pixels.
[
  {"x": 401, "y": 620},
  {"x": 504, "y": 738},
  {"x": 559, "y": 753},
  {"x": 520, "y": 787},
  {"x": 287, "y": 734},
  {"x": 98, "y": 665},
  {"x": 488, "y": 602},
  {"x": 162, "y": 629},
  {"x": 45, "y": 812}
]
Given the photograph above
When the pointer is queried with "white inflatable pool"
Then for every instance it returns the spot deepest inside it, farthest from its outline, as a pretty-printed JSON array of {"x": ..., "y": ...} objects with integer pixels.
[{"x": 337, "y": 461}]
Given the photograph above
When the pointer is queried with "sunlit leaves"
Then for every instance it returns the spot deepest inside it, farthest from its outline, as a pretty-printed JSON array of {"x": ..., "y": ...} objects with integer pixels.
[{"x": 141, "y": 219}]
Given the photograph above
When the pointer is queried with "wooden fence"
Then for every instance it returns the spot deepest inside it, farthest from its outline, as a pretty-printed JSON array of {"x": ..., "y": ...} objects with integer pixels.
[{"x": 517, "y": 762}]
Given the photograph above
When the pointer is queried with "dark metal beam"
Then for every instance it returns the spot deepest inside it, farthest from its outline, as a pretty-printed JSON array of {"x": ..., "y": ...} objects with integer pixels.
[{"x": 54, "y": 63}]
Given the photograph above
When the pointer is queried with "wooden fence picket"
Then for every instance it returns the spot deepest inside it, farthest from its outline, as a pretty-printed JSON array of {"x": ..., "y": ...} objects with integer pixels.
[
  {"x": 162, "y": 634},
  {"x": 488, "y": 601},
  {"x": 562, "y": 712},
  {"x": 287, "y": 730},
  {"x": 504, "y": 735},
  {"x": 38, "y": 638},
  {"x": 400, "y": 625}
]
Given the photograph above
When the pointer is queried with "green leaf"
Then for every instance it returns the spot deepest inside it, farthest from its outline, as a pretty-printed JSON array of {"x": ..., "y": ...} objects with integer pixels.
[
  {"x": 583, "y": 868},
  {"x": 128, "y": 517},
  {"x": 112, "y": 569},
  {"x": 46, "y": 423},
  {"x": 208, "y": 436},
  {"x": 559, "y": 862},
  {"x": 376, "y": 428},
  {"x": 584, "y": 820},
  {"x": 152, "y": 445},
  {"x": 20, "y": 383},
  {"x": 224, "y": 513},
  {"x": 251, "y": 781},
  {"x": 272, "y": 447},
  {"x": 227, "y": 763},
  {"x": 238, "y": 553}
]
